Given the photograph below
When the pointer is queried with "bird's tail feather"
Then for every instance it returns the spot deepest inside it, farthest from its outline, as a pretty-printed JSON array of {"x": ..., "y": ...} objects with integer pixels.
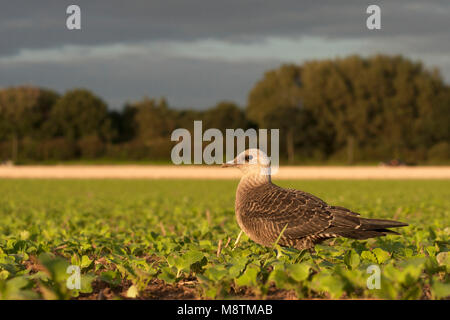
[
  {"x": 379, "y": 224},
  {"x": 362, "y": 234},
  {"x": 362, "y": 228}
]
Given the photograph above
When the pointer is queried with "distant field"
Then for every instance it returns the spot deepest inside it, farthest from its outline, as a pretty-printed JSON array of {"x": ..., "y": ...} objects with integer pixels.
[
  {"x": 216, "y": 172},
  {"x": 159, "y": 239}
]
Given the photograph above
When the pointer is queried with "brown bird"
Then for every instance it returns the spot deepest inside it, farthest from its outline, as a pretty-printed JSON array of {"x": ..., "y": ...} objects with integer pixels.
[{"x": 265, "y": 210}]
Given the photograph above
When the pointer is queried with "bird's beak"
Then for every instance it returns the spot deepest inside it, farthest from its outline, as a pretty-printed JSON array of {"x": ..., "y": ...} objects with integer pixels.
[{"x": 229, "y": 164}]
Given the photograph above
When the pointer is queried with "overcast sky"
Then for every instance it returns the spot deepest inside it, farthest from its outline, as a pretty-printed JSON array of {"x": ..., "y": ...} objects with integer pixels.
[{"x": 198, "y": 52}]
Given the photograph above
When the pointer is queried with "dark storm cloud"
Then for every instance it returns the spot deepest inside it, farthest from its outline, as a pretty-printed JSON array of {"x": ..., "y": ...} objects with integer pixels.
[
  {"x": 186, "y": 82},
  {"x": 196, "y": 52},
  {"x": 38, "y": 24}
]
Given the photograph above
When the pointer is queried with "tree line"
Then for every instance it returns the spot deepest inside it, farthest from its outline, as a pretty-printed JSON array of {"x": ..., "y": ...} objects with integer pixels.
[{"x": 351, "y": 109}]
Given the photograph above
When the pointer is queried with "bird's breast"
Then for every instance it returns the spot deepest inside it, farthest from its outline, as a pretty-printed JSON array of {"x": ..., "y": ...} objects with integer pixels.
[{"x": 253, "y": 227}]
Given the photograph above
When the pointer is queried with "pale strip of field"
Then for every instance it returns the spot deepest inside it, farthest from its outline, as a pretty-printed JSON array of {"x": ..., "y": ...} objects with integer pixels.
[{"x": 216, "y": 172}]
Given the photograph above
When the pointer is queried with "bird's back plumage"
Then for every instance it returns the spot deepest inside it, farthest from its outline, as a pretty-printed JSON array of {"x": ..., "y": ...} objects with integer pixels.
[{"x": 264, "y": 209}]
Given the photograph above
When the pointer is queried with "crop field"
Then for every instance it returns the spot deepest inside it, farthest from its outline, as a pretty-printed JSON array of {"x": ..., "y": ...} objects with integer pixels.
[{"x": 175, "y": 239}]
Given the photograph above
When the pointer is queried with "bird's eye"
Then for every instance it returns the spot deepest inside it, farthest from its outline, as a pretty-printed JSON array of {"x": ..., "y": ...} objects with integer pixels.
[{"x": 248, "y": 157}]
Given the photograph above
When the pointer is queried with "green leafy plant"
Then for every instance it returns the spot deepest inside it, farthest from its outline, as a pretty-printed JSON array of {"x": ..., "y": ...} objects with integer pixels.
[{"x": 142, "y": 239}]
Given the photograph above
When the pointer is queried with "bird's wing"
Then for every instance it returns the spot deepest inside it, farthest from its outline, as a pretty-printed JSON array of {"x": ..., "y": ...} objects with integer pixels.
[
  {"x": 273, "y": 208},
  {"x": 303, "y": 213}
]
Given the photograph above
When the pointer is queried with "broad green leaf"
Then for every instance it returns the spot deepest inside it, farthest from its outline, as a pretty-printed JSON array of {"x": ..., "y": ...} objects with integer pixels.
[
  {"x": 440, "y": 290},
  {"x": 299, "y": 272},
  {"x": 351, "y": 259},
  {"x": 111, "y": 277},
  {"x": 192, "y": 257},
  {"x": 216, "y": 273},
  {"x": 368, "y": 255},
  {"x": 248, "y": 278},
  {"x": 85, "y": 262},
  {"x": 381, "y": 255},
  {"x": 327, "y": 283},
  {"x": 167, "y": 275},
  {"x": 280, "y": 278}
]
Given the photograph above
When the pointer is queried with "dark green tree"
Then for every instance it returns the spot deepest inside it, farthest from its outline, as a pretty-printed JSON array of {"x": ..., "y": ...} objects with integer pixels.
[
  {"x": 225, "y": 115},
  {"x": 23, "y": 112},
  {"x": 379, "y": 105},
  {"x": 275, "y": 103},
  {"x": 79, "y": 113}
]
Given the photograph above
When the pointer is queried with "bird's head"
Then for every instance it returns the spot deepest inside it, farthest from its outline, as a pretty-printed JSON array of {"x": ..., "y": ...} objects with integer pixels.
[{"x": 251, "y": 161}]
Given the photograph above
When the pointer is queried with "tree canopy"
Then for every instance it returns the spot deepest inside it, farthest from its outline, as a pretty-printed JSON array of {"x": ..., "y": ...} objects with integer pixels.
[{"x": 352, "y": 109}]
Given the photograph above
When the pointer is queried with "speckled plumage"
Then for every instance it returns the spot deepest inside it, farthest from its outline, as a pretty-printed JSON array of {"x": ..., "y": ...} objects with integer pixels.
[{"x": 264, "y": 209}]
